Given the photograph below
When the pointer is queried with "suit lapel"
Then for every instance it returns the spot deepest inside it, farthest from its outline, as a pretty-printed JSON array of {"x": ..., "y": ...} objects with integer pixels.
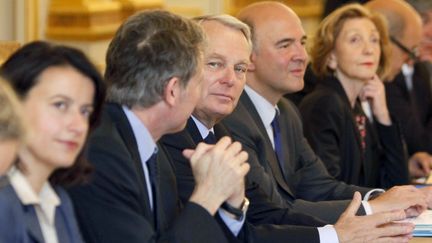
[
  {"x": 271, "y": 158},
  {"x": 32, "y": 224},
  {"x": 125, "y": 131}
]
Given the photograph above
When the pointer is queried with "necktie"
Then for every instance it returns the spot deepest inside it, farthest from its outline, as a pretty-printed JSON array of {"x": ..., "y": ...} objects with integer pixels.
[
  {"x": 210, "y": 139},
  {"x": 153, "y": 173},
  {"x": 277, "y": 140}
]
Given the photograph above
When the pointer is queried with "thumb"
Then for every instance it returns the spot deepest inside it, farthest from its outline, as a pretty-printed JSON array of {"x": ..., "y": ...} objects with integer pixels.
[
  {"x": 354, "y": 205},
  {"x": 188, "y": 153}
]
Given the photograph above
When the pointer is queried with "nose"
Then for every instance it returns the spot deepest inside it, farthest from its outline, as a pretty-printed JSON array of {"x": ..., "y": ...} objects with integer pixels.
[
  {"x": 228, "y": 77},
  {"x": 301, "y": 53},
  {"x": 368, "y": 48},
  {"x": 78, "y": 123}
]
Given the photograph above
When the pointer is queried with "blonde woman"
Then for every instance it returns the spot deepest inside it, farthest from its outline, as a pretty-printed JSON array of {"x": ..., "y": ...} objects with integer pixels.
[{"x": 350, "y": 55}]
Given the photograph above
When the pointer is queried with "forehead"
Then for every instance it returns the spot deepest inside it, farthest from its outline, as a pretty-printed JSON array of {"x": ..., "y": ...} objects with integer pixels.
[
  {"x": 356, "y": 24},
  {"x": 279, "y": 26},
  {"x": 224, "y": 39}
]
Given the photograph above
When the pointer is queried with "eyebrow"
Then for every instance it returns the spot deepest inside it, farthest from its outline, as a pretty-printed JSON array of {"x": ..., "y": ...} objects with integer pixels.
[
  {"x": 216, "y": 55},
  {"x": 290, "y": 40},
  {"x": 69, "y": 99}
]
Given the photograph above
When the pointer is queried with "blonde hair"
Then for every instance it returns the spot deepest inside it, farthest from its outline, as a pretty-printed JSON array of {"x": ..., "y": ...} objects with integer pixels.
[
  {"x": 11, "y": 126},
  {"x": 329, "y": 30}
]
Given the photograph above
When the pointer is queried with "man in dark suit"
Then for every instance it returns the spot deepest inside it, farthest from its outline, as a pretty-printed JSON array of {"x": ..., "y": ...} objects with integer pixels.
[
  {"x": 284, "y": 166},
  {"x": 224, "y": 72},
  {"x": 153, "y": 68},
  {"x": 409, "y": 98}
]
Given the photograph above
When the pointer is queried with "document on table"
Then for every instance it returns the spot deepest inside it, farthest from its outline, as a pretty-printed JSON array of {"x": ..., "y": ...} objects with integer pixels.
[{"x": 423, "y": 224}]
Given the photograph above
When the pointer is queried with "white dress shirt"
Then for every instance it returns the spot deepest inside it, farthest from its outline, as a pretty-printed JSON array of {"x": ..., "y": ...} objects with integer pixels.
[
  {"x": 267, "y": 112},
  {"x": 146, "y": 146},
  {"x": 45, "y": 202}
]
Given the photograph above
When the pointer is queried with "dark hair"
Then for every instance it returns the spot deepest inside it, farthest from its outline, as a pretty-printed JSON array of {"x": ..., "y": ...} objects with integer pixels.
[
  {"x": 22, "y": 71},
  {"x": 149, "y": 49}
]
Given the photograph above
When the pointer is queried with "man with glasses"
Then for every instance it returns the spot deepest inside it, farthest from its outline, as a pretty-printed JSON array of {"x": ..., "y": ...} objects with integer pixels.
[{"x": 409, "y": 95}]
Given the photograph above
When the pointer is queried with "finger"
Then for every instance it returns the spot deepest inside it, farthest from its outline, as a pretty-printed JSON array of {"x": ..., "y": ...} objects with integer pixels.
[
  {"x": 200, "y": 150},
  {"x": 386, "y": 217},
  {"x": 232, "y": 151},
  {"x": 354, "y": 205},
  {"x": 187, "y": 153},
  {"x": 396, "y": 239},
  {"x": 245, "y": 167},
  {"x": 394, "y": 230},
  {"x": 222, "y": 145}
]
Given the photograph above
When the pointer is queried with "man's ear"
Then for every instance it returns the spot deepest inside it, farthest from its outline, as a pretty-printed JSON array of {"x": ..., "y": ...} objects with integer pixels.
[
  {"x": 251, "y": 66},
  {"x": 332, "y": 61},
  {"x": 172, "y": 91}
]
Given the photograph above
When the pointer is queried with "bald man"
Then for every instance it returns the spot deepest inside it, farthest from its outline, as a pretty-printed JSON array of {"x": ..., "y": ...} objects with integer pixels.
[
  {"x": 284, "y": 165},
  {"x": 405, "y": 29},
  {"x": 409, "y": 95},
  {"x": 226, "y": 58}
]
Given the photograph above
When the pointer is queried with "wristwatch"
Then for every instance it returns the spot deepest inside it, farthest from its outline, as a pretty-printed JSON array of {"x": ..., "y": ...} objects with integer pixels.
[{"x": 237, "y": 212}]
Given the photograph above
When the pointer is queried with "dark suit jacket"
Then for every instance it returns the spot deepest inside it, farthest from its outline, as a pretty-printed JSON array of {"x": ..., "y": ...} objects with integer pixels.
[
  {"x": 114, "y": 206},
  {"x": 261, "y": 210},
  {"x": 306, "y": 185},
  {"x": 413, "y": 111},
  {"x": 19, "y": 223},
  {"x": 331, "y": 129}
]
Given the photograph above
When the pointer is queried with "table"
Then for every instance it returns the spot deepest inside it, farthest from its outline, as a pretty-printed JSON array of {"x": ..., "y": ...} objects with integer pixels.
[{"x": 421, "y": 240}]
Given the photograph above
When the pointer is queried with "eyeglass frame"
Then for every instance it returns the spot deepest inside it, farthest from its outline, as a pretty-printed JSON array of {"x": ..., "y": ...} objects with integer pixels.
[{"x": 412, "y": 54}]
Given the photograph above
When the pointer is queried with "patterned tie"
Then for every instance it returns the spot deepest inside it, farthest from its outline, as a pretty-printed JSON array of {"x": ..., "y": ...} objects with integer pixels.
[
  {"x": 153, "y": 173},
  {"x": 277, "y": 140},
  {"x": 210, "y": 139}
]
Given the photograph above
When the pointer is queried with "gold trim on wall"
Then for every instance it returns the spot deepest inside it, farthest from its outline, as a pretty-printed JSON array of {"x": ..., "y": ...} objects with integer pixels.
[{"x": 31, "y": 22}]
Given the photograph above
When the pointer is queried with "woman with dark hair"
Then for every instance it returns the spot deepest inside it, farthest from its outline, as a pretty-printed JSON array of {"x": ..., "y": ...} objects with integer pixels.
[
  {"x": 61, "y": 94},
  {"x": 350, "y": 55}
]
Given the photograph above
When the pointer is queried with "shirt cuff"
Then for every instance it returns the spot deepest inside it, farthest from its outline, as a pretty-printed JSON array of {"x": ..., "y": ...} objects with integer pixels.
[
  {"x": 233, "y": 224},
  {"x": 370, "y": 195},
  {"x": 367, "y": 208},
  {"x": 327, "y": 234}
]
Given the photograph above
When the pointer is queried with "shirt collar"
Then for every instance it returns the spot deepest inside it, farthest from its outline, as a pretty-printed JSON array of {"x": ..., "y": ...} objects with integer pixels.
[
  {"x": 265, "y": 109},
  {"x": 204, "y": 131},
  {"x": 47, "y": 198},
  {"x": 146, "y": 144}
]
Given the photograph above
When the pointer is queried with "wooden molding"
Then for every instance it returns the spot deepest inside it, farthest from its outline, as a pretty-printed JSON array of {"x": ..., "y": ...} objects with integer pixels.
[{"x": 83, "y": 19}]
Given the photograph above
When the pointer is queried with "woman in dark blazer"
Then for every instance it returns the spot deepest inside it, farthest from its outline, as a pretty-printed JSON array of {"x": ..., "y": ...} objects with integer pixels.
[
  {"x": 61, "y": 95},
  {"x": 350, "y": 55}
]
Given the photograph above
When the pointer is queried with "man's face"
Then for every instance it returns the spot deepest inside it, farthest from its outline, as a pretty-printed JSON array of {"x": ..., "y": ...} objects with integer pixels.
[
  {"x": 226, "y": 58},
  {"x": 411, "y": 40},
  {"x": 189, "y": 97},
  {"x": 279, "y": 58},
  {"x": 426, "y": 43}
]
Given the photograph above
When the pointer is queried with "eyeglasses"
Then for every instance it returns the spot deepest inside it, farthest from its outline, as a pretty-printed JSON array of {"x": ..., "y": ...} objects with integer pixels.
[{"x": 412, "y": 54}]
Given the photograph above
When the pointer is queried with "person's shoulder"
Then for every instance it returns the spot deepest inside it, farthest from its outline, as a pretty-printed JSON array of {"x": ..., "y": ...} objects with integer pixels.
[{"x": 9, "y": 201}]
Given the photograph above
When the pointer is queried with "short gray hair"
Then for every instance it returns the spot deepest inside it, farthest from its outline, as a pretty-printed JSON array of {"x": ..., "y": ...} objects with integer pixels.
[
  {"x": 229, "y": 21},
  {"x": 149, "y": 49}
]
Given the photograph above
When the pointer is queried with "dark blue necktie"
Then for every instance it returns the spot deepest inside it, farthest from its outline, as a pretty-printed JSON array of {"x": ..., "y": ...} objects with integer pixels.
[
  {"x": 277, "y": 140},
  {"x": 153, "y": 174},
  {"x": 210, "y": 139}
]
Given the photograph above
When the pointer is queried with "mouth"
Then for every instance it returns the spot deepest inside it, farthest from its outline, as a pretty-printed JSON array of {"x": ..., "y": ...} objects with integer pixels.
[
  {"x": 70, "y": 145},
  {"x": 367, "y": 64},
  {"x": 223, "y": 96},
  {"x": 297, "y": 71}
]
